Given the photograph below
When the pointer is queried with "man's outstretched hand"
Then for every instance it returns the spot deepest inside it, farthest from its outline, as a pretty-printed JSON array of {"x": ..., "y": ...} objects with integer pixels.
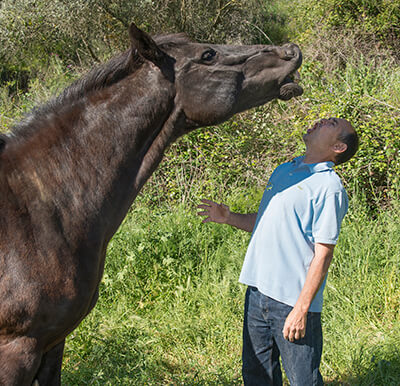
[{"x": 218, "y": 213}]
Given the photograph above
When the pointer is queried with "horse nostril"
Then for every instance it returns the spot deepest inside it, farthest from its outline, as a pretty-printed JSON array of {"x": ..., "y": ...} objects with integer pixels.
[{"x": 289, "y": 53}]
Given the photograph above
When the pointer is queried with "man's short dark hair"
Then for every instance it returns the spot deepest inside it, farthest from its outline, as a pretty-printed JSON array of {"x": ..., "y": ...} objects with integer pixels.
[{"x": 350, "y": 138}]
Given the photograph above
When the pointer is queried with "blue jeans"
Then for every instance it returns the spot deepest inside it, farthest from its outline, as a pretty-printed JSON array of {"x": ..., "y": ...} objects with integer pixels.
[{"x": 263, "y": 344}]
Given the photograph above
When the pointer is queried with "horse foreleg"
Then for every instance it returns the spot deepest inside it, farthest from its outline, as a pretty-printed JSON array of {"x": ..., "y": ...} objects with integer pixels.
[
  {"x": 49, "y": 372},
  {"x": 19, "y": 361}
]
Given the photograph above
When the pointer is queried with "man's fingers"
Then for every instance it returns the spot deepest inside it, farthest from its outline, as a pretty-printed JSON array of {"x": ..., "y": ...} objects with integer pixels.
[
  {"x": 207, "y": 219},
  {"x": 201, "y": 206},
  {"x": 285, "y": 333},
  {"x": 207, "y": 207},
  {"x": 209, "y": 202},
  {"x": 292, "y": 334},
  {"x": 205, "y": 213}
]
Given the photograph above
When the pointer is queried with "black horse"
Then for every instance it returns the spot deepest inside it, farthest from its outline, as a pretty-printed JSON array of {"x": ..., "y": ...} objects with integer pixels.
[{"x": 71, "y": 169}]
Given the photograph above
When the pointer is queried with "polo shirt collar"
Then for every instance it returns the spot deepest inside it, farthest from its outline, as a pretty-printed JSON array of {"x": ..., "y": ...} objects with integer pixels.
[{"x": 314, "y": 168}]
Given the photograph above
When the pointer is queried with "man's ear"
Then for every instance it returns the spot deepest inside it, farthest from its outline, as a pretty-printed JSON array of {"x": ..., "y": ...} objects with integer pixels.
[
  {"x": 339, "y": 147},
  {"x": 145, "y": 45}
]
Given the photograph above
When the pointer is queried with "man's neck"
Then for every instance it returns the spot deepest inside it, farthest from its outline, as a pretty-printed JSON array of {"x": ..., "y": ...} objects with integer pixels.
[{"x": 315, "y": 158}]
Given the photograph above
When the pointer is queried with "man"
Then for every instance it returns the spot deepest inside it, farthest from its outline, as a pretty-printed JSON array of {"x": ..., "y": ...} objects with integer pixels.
[{"x": 293, "y": 237}]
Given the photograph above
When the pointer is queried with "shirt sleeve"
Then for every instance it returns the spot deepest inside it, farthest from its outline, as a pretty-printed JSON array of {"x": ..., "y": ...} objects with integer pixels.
[{"x": 328, "y": 216}]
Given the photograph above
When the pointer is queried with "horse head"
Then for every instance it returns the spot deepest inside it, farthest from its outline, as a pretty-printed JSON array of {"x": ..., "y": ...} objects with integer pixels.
[{"x": 213, "y": 82}]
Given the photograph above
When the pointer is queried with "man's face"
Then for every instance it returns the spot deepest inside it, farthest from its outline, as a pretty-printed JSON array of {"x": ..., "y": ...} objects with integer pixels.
[{"x": 323, "y": 136}]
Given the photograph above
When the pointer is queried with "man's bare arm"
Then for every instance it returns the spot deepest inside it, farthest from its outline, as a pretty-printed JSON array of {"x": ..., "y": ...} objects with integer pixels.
[
  {"x": 296, "y": 321},
  {"x": 221, "y": 214}
]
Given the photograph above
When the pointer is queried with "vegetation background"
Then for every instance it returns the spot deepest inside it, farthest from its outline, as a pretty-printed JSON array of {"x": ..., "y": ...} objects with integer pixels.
[{"x": 170, "y": 308}]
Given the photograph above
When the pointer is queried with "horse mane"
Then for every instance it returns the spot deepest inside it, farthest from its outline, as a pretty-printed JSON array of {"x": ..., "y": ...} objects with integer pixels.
[{"x": 99, "y": 78}]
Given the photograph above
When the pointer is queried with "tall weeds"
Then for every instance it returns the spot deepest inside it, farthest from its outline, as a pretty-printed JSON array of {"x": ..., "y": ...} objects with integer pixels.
[{"x": 170, "y": 308}]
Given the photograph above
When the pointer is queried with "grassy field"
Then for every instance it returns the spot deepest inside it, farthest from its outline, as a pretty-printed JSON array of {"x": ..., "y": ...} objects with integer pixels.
[{"x": 170, "y": 308}]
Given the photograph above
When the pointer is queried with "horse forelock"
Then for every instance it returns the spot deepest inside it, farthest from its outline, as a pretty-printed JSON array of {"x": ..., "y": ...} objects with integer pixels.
[{"x": 179, "y": 38}]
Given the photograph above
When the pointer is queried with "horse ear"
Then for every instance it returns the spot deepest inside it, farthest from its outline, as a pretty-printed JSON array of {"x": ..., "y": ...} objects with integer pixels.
[{"x": 145, "y": 46}]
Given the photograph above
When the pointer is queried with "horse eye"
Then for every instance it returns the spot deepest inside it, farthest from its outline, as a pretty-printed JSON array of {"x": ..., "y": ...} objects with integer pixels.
[{"x": 208, "y": 55}]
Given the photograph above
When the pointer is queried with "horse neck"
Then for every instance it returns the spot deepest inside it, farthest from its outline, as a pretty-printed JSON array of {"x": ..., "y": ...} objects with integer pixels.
[{"x": 90, "y": 172}]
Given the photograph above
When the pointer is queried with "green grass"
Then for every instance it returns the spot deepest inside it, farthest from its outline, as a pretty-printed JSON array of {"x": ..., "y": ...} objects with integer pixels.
[
  {"x": 362, "y": 320},
  {"x": 170, "y": 308}
]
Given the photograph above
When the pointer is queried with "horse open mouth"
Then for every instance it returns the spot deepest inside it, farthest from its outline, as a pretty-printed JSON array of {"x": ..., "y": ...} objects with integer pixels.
[{"x": 290, "y": 87}]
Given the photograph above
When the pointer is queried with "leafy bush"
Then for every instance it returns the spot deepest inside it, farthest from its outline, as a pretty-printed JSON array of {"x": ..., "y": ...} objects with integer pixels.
[
  {"x": 379, "y": 18},
  {"x": 31, "y": 30},
  {"x": 368, "y": 96}
]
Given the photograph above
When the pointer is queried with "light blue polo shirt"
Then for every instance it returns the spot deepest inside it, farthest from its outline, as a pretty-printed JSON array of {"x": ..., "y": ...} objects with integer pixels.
[{"x": 303, "y": 204}]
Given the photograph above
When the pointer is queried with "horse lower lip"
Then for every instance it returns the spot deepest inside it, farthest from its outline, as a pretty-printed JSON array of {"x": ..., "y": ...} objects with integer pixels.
[{"x": 289, "y": 90}]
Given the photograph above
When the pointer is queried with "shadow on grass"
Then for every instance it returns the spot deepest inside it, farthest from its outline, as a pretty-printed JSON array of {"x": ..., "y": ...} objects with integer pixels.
[
  {"x": 383, "y": 369},
  {"x": 129, "y": 360},
  {"x": 110, "y": 362}
]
